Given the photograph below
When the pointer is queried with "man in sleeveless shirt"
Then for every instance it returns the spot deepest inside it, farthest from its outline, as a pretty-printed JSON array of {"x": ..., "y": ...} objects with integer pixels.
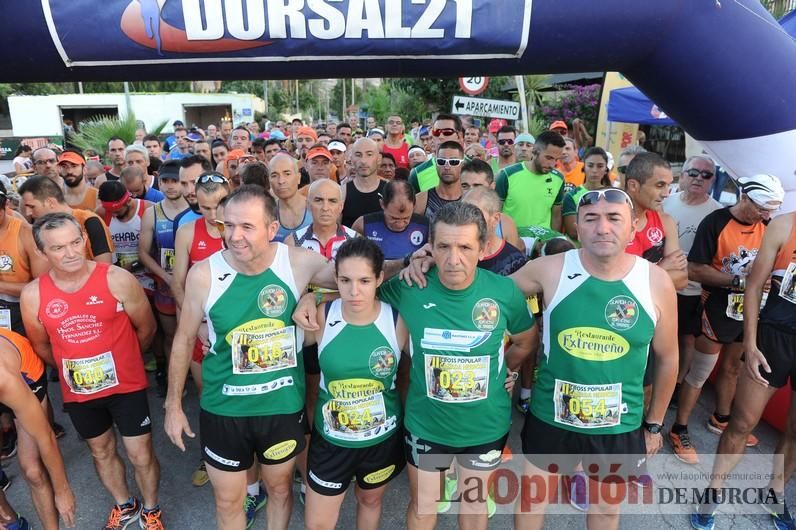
[
  {"x": 577, "y": 410},
  {"x": 361, "y": 194},
  {"x": 253, "y": 396},
  {"x": 92, "y": 320},
  {"x": 156, "y": 252},
  {"x": 769, "y": 346},
  {"x": 41, "y": 196},
  {"x": 449, "y": 160},
  {"x": 77, "y": 192},
  {"x": 292, "y": 211},
  {"x": 725, "y": 247}
]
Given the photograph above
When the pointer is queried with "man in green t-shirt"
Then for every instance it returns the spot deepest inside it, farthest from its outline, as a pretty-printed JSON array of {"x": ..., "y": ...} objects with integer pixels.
[
  {"x": 447, "y": 128},
  {"x": 252, "y": 402},
  {"x": 457, "y": 405},
  {"x": 532, "y": 191}
]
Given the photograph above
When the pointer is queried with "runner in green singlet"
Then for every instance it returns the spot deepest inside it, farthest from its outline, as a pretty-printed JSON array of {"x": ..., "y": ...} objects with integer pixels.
[
  {"x": 358, "y": 418},
  {"x": 252, "y": 402}
]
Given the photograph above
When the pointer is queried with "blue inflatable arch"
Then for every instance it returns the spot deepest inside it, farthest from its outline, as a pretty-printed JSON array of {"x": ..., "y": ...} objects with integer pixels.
[{"x": 723, "y": 69}]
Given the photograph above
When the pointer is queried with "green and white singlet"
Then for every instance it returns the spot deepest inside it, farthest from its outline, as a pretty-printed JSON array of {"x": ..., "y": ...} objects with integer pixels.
[
  {"x": 358, "y": 403},
  {"x": 254, "y": 366},
  {"x": 456, "y": 391},
  {"x": 596, "y": 337}
]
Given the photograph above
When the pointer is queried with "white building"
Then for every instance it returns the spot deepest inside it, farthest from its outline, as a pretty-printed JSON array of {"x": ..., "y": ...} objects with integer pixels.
[{"x": 34, "y": 116}]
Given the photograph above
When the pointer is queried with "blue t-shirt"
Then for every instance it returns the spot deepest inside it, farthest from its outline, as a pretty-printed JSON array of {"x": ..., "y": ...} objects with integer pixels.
[
  {"x": 153, "y": 195},
  {"x": 396, "y": 245}
]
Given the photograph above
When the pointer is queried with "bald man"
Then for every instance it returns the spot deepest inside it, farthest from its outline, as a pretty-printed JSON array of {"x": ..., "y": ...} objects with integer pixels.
[
  {"x": 324, "y": 235},
  {"x": 361, "y": 194},
  {"x": 291, "y": 206}
]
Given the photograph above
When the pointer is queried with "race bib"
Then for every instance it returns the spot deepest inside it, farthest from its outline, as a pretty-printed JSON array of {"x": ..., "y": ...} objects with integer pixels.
[
  {"x": 263, "y": 352},
  {"x": 787, "y": 288},
  {"x": 735, "y": 306},
  {"x": 457, "y": 379},
  {"x": 358, "y": 412},
  {"x": 91, "y": 375},
  {"x": 167, "y": 259},
  {"x": 5, "y": 318},
  {"x": 588, "y": 406}
]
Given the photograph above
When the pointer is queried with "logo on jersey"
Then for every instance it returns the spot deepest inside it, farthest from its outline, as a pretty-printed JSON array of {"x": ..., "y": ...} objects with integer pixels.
[
  {"x": 739, "y": 263},
  {"x": 655, "y": 235},
  {"x": 272, "y": 300},
  {"x": 593, "y": 344},
  {"x": 56, "y": 308},
  {"x": 486, "y": 314},
  {"x": 201, "y": 245},
  {"x": 416, "y": 237},
  {"x": 6, "y": 263},
  {"x": 94, "y": 300},
  {"x": 621, "y": 313},
  {"x": 382, "y": 362}
]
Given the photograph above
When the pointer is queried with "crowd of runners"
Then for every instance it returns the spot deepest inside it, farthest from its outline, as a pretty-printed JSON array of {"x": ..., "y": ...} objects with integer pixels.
[{"x": 357, "y": 300}]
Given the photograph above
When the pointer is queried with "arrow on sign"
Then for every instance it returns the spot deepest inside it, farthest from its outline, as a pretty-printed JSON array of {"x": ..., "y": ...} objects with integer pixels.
[
  {"x": 459, "y": 105},
  {"x": 490, "y": 108}
]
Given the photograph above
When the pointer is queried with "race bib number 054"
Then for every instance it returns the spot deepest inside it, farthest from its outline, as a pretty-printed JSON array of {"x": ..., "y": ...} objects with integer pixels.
[{"x": 588, "y": 406}]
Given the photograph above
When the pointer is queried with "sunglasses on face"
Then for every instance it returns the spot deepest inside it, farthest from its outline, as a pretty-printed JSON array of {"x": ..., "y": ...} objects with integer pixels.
[
  {"x": 693, "y": 173},
  {"x": 452, "y": 162},
  {"x": 506, "y": 141},
  {"x": 611, "y": 195},
  {"x": 443, "y": 132}
]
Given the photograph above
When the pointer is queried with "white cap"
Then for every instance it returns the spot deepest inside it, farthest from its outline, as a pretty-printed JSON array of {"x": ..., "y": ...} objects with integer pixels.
[
  {"x": 336, "y": 145},
  {"x": 763, "y": 190}
]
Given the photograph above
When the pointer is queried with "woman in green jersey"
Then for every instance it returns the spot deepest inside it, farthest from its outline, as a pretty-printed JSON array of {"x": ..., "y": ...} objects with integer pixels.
[
  {"x": 595, "y": 167},
  {"x": 357, "y": 431}
]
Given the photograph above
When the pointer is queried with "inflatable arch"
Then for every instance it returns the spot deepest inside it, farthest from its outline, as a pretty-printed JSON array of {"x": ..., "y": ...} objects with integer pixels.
[{"x": 723, "y": 69}]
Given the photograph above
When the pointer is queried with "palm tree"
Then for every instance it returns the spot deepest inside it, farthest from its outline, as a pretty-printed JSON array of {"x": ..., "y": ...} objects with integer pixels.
[{"x": 95, "y": 133}]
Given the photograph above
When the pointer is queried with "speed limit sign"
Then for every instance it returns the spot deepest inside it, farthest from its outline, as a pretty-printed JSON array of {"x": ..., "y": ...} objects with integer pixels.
[{"x": 473, "y": 85}]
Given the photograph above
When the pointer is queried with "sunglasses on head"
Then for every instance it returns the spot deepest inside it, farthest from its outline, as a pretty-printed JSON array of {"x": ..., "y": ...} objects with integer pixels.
[
  {"x": 693, "y": 173},
  {"x": 452, "y": 162},
  {"x": 444, "y": 132},
  {"x": 506, "y": 141},
  {"x": 611, "y": 195},
  {"x": 211, "y": 177}
]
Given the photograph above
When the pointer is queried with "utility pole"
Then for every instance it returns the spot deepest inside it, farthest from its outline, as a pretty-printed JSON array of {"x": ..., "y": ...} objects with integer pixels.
[
  {"x": 342, "y": 81},
  {"x": 265, "y": 96},
  {"x": 297, "y": 97}
]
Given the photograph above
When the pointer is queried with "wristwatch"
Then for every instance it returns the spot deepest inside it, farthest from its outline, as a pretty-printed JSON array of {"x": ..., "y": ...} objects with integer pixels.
[
  {"x": 653, "y": 428},
  {"x": 514, "y": 375},
  {"x": 738, "y": 283}
]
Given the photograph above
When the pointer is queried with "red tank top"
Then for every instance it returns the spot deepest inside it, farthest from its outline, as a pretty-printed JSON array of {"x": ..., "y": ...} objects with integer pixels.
[
  {"x": 400, "y": 154},
  {"x": 93, "y": 340},
  {"x": 203, "y": 244},
  {"x": 648, "y": 242}
]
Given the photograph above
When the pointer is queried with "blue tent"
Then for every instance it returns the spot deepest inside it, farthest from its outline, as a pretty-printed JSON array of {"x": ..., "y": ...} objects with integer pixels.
[
  {"x": 630, "y": 105},
  {"x": 788, "y": 22}
]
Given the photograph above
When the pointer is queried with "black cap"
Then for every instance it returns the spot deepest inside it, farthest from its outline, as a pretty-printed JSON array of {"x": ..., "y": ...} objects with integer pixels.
[
  {"x": 111, "y": 191},
  {"x": 178, "y": 123},
  {"x": 170, "y": 169}
]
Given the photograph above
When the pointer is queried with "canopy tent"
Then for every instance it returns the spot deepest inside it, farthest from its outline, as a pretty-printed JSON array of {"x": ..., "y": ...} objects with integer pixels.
[
  {"x": 630, "y": 105},
  {"x": 788, "y": 22}
]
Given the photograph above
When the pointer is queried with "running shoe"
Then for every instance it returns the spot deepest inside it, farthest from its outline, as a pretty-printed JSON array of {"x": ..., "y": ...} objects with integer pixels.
[
  {"x": 58, "y": 429},
  {"x": 683, "y": 448},
  {"x": 123, "y": 515},
  {"x": 523, "y": 405},
  {"x": 444, "y": 504},
  {"x": 200, "y": 476},
  {"x": 20, "y": 524},
  {"x": 5, "y": 481},
  {"x": 151, "y": 520},
  {"x": 579, "y": 492},
  {"x": 9, "y": 449},
  {"x": 782, "y": 521},
  {"x": 254, "y": 504},
  {"x": 717, "y": 427},
  {"x": 701, "y": 521}
]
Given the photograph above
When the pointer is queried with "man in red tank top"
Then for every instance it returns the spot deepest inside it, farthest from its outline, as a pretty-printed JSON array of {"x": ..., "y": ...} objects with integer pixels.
[
  {"x": 92, "y": 321},
  {"x": 648, "y": 179}
]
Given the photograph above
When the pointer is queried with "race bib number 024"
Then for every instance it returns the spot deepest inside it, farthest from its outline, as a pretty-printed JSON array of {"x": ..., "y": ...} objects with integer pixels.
[
  {"x": 457, "y": 379},
  {"x": 588, "y": 406},
  {"x": 259, "y": 353}
]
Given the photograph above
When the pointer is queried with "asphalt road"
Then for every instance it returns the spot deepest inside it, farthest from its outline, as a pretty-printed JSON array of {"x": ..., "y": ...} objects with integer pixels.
[{"x": 186, "y": 507}]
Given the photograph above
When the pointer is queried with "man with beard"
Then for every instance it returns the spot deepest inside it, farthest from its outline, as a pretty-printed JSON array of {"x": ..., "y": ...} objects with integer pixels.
[
  {"x": 505, "y": 138},
  {"x": 532, "y": 192},
  {"x": 449, "y": 159},
  {"x": 77, "y": 192},
  {"x": 190, "y": 169}
]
